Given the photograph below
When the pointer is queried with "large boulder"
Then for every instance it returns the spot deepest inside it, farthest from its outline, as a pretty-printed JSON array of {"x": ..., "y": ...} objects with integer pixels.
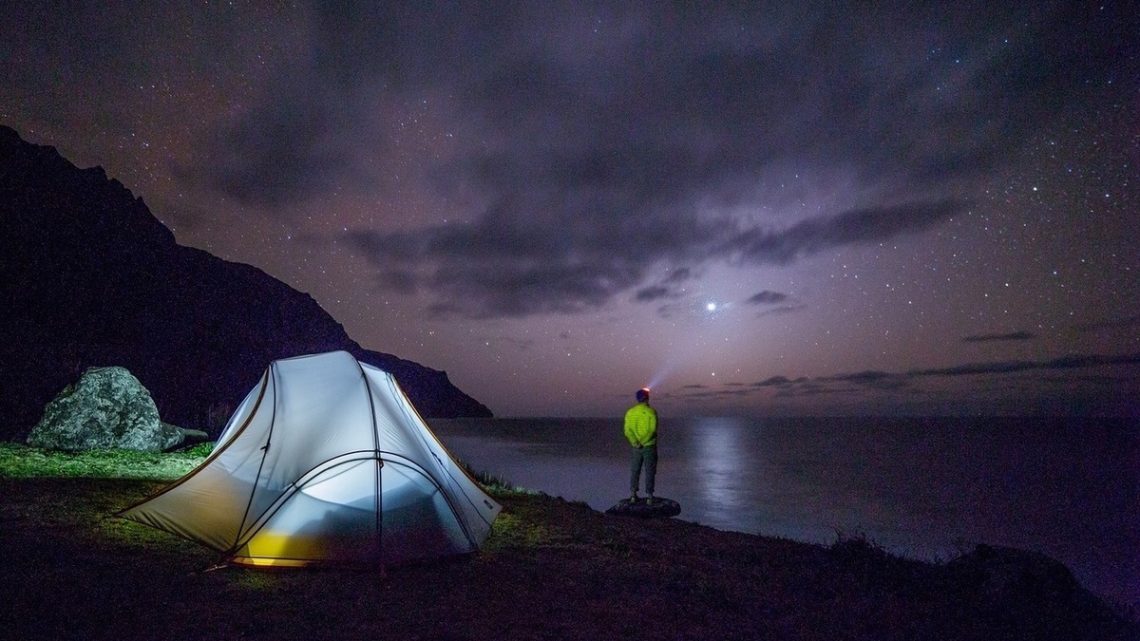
[{"x": 107, "y": 408}]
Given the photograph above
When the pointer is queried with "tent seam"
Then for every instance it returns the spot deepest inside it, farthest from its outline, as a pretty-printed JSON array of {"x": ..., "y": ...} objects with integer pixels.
[{"x": 260, "y": 467}]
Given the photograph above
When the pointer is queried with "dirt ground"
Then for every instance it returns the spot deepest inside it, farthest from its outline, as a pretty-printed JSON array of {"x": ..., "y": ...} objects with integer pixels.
[{"x": 550, "y": 570}]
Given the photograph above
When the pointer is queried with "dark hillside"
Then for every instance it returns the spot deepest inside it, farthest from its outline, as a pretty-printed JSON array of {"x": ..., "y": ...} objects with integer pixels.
[{"x": 88, "y": 276}]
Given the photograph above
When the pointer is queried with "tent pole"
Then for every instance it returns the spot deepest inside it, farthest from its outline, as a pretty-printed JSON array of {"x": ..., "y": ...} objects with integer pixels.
[
  {"x": 260, "y": 465},
  {"x": 379, "y": 503}
]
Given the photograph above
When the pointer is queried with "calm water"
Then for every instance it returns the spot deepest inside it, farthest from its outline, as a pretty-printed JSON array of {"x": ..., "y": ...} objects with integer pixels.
[{"x": 925, "y": 488}]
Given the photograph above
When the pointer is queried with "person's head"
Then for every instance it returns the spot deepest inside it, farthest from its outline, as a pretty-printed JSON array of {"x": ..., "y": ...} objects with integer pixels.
[{"x": 643, "y": 395}]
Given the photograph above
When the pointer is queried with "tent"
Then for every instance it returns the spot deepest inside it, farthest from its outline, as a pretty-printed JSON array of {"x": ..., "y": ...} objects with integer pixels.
[{"x": 325, "y": 462}]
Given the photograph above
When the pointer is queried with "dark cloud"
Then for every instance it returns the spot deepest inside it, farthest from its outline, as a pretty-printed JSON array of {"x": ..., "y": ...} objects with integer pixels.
[
  {"x": 274, "y": 156},
  {"x": 1118, "y": 323},
  {"x": 972, "y": 369},
  {"x": 512, "y": 263},
  {"x": 314, "y": 118},
  {"x": 812, "y": 388},
  {"x": 521, "y": 290},
  {"x": 782, "y": 309},
  {"x": 854, "y": 227},
  {"x": 299, "y": 135},
  {"x": 871, "y": 379},
  {"x": 767, "y": 297},
  {"x": 605, "y": 134},
  {"x": 1094, "y": 360},
  {"x": 1007, "y": 367},
  {"x": 666, "y": 290},
  {"x": 679, "y": 275},
  {"x": 1100, "y": 380},
  {"x": 1065, "y": 362},
  {"x": 488, "y": 269},
  {"x": 774, "y": 381},
  {"x": 989, "y": 338},
  {"x": 867, "y": 382},
  {"x": 653, "y": 293}
]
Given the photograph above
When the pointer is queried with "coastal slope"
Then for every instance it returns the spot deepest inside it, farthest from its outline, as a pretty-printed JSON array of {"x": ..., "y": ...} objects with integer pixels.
[
  {"x": 89, "y": 277},
  {"x": 551, "y": 569}
]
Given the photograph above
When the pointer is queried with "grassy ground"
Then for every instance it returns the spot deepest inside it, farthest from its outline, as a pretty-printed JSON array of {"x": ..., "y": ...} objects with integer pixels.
[
  {"x": 550, "y": 570},
  {"x": 17, "y": 460}
]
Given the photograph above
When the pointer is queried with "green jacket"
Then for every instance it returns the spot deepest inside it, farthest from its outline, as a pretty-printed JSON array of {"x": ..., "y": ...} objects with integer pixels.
[{"x": 641, "y": 425}]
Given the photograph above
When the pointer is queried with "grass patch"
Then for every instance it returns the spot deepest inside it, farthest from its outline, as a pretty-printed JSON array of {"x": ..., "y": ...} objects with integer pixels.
[
  {"x": 18, "y": 460},
  {"x": 23, "y": 461},
  {"x": 511, "y": 531}
]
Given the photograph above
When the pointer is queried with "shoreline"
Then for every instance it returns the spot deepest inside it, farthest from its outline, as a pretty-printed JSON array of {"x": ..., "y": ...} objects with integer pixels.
[{"x": 927, "y": 491}]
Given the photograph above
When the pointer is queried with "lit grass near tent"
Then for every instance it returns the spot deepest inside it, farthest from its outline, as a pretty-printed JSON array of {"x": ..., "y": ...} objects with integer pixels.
[{"x": 23, "y": 461}]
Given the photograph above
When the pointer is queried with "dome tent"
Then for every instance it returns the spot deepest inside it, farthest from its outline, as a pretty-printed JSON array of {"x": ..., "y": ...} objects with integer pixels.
[{"x": 325, "y": 462}]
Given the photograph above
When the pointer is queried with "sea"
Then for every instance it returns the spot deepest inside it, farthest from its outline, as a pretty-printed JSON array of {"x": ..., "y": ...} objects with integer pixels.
[{"x": 925, "y": 488}]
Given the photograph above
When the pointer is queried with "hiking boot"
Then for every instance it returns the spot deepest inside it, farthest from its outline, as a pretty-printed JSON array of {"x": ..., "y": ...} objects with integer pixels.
[
  {"x": 649, "y": 501},
  {"x": 633, "y": 498}
]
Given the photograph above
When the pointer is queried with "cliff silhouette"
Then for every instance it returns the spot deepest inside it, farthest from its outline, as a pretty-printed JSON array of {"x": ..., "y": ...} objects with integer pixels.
[{"x": 89, "y": 277}]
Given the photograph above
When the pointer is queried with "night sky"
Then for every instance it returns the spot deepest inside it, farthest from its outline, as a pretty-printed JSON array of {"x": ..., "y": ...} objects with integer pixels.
[{"x": 769, "y": 208}]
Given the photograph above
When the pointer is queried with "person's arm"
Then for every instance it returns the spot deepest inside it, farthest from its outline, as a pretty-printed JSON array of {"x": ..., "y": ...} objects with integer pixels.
[{"x": 630, "y": 430}]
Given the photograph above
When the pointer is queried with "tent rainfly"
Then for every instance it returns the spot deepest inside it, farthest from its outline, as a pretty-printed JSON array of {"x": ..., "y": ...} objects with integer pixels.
[{"x": 325, "y": 462}]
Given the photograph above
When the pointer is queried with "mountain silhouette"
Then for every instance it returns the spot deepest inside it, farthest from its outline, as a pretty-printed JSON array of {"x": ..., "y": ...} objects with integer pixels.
[{"x": 89, "y": 277}]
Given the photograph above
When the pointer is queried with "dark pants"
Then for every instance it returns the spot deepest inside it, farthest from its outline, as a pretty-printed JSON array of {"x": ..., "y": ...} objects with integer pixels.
[{"x": 647, "y": 456}]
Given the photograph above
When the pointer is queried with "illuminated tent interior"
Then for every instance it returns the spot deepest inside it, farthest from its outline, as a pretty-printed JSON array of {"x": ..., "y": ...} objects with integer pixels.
[{"x": 325, "y": 462}]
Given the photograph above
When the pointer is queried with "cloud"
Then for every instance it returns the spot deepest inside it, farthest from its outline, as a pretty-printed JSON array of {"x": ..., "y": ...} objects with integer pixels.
[
  {"x": 678, "y": 275},
  {"x": 782, "y": 309},
  {"x": 1093, "y": 360},
  {"x": 274, "y": 156},
  {"x": 767, "y": 297},
  {"x": 777, "y": 381},
  {"x": 870, "y": 378},
  {"x": 972, "y": 369},
  {"x": 989, "y": 338},
  {"x": 854, "y": 227},
  {"x": 892, "y": 382},
  {"x": 511, "y": 263},
  {"x": 665, "y": 290},
  {"x": 294, "y": 140},
  {"x": 653, "y": 293},
  {"x": 589, "y": 145},
  {"x": 1007, "y": 367},
  {"x": 487, "y": 270},
  {"x": 1111, "y": 324}
]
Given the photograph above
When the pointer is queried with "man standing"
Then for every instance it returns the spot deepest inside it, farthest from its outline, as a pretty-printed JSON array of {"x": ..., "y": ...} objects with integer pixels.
[{"x": 641, "y": 430}]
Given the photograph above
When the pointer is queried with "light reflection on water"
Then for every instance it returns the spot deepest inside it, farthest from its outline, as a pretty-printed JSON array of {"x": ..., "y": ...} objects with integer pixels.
[
  {"x": 927, "y": 488},
  {"x": 719, "y": 476}
]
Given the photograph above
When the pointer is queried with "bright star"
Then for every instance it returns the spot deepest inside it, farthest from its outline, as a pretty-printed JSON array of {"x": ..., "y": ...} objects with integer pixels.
[{"x": 711, "y": 307}]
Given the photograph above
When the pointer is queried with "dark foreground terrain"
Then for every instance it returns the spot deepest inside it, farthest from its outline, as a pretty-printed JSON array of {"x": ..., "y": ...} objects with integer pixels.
[{"x": 551, "y": 570}]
